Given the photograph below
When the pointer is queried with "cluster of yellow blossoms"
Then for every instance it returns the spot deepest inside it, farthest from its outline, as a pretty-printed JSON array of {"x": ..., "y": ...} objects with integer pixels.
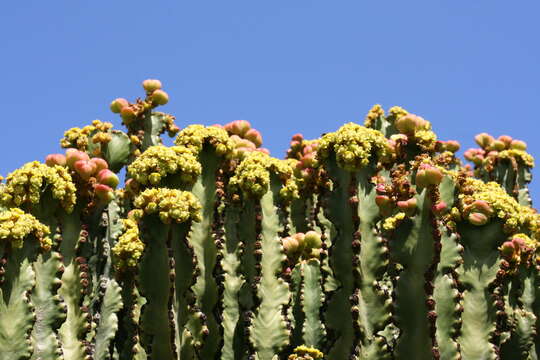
[
  {"x": 515, "y": 217},
  {"x": 354, "y": 146},
  {"x": 78, "y": 138},
  {"x": 520, "y": 155},
  {"x": 159, "y": 161},
  {"x": 195, "y": 136},
  {"x": 26, "y": 185},
  {"x": 252, "y": 176},
  {"x": 15, "y": 225},
  {"x": 170, "y": 204},
  {"x": 306, "y": 353},
  {"x": 129, "y": 247},
  {"x": 373, "y": 114}
]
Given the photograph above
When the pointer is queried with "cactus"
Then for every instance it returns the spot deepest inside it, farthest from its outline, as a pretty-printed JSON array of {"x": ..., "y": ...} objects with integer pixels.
[{"x": 371, "y": 242}]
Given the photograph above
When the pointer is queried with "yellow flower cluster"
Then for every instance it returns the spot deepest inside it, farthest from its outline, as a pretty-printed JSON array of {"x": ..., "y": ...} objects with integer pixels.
[
  {"x": 159, "y": 161},
  {"x": 306, "y": 353},
  {"x": 195, "y": 136},
  {"x": 252, "y": 176},
  {"x": 170, "y": 204},
  {"x": 26, "y": 184},
  {"x": 78, "y": 138},
  {"x": 426, "y": 139},
  {"x": 129, "y": 247},
  {"x": 373, "y": 114},
  {"x": 520, "y": 155},
  {"x": 397, "y": 111},
  {"x": 354, "y": 146},
  {"x": 515, "y": 217},
  {"x": 15, "y": 225},
  {"x": 392, "y": 222}
]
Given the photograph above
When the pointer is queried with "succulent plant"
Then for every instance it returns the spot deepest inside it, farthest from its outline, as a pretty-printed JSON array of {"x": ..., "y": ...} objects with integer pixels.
[{"x": 371, "y": 242}]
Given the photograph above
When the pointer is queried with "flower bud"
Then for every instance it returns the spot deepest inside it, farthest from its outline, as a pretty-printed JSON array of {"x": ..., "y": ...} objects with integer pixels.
[
  {"x": 254, "y": 136},
  {"x": 100, "y": 164},
  {"x": 104, "y": 193},
  {"x": 85, "y": 168},
  {"x": 55, "y": 159},
  {"x": 313, "y": 240},
  {"x": 107, "y": 177},
  {"x": 484, "y": 140},
  {"x": 518, "y": 145},
  {"x": 74, "y": 155},
  {"x": 151, "y": 85},
  {"x": 478, "y": 219},
  {"x": 160, "y": 97},
  {"x": 118, "y": 104}
]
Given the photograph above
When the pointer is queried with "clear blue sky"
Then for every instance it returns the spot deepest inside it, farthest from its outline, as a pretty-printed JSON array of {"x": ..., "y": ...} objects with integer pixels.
[{"x": 286, "y": 66}]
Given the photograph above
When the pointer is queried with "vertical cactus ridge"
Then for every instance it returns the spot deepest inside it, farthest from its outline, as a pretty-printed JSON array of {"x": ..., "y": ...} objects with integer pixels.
[
  {"x": 312, "y": 299},
  {"x": 412, "y": 247},
  {"x": 202, "y": 240},
  {"x": 233, "y": 343},
  {"x": 338, "y": 212},
  {"x": 16, "y": 311},
  {"x": 155, "y": 286},
  {"x": 268, "y": 332},
  {"x": 108, "y": 320},
  {"x": 479, "y": 269}
]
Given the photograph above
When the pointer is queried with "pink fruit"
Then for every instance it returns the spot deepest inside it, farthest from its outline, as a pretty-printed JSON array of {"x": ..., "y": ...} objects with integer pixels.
[
  {"x": 104, "y": 193},
  {"x": 107, "y": 177},
  {"x": 151, "y": 85},
  {"x": 118, "y": 104},
  {"x": 452, "y": 145},
  {"x": 160, "y": 97},
  {"x": 507, "y": 249},
  {"x": 407, "y": 124},
  {"x": 100, "y": 164},
  {"x": 254, "y": 136},
  {"x": 507, "y": 140},
  {"x": 478, "y": 219},
  {"x": 55, "y": 159},
  {"x": 439, "y": 207},
  {"x": 85, "y": 169},
  {"x": 74, "y": 155},
  {"x": 297, "y": 137}
]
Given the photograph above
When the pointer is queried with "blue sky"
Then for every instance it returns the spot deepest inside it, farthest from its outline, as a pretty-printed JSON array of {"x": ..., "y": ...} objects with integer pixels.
[{"x": 286, "y": 66}]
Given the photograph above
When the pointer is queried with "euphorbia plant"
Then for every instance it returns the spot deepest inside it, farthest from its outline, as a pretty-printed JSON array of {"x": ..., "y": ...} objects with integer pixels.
[{"x": 371, "y": 242}]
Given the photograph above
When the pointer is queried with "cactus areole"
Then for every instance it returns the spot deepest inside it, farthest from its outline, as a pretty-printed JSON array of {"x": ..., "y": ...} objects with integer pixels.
[{"x": 372, "y": 242}]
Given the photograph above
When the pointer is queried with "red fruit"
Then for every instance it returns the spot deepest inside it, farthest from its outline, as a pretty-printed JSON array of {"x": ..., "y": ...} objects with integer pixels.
[
  {"x": 160, "y": 97},
  {"x": 297, "y": 137},
  {"x": 151, "y": 85},
  {"x": 55, "y": 159},
  {"x": 254, "y": 136},
  {"x": 118, "y": 104},
  {"x": 107, "y": 177},
  {"x": 439, "y": 207},
  {"x": 104, "y": 193},
  {"x": 408, "y": 206},
  {"x": 100, "y": 164},
  {"x": 74, "y": 155},
  {"x": 85, "y": 168}
]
